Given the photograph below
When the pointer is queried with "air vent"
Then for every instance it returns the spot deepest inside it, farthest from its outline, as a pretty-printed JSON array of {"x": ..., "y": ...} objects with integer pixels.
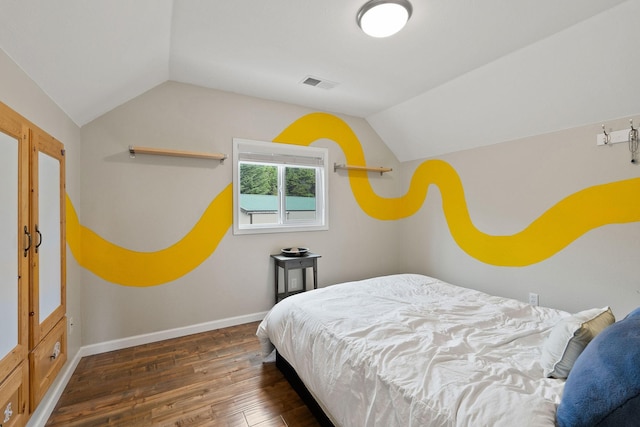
[
  {"x": 318, "y": 82},
  {"x": 311, "y": 81}
]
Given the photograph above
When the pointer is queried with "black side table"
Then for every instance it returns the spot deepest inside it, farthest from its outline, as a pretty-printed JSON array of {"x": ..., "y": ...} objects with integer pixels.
[{"x": 291, "y": 263}]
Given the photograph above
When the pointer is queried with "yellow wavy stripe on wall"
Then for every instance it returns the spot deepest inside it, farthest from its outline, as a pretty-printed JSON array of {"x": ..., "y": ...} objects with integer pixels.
[
  {"x": 312, "y": 127},
  {"x": 131, "y": 268},
  {"x": 618, "y": 202}
]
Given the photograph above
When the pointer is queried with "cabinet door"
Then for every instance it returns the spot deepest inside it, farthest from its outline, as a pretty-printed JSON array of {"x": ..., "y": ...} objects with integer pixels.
[
  {"x": 14, "y": 229},
  {"x": 14, "y": 397},
  {"x": 48, "y": 296}
]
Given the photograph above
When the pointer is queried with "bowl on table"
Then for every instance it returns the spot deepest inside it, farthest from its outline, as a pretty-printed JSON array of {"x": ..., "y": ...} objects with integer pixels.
[{"x": 294, "y": 251}]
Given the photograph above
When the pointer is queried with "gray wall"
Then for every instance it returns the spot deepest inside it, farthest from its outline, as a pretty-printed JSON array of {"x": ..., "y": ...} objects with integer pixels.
[
  {"x": 149, "y": 203},
  {"x": 508, "y": 186}
]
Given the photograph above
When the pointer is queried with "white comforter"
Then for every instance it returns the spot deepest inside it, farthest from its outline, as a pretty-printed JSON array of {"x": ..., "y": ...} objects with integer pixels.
[{"x": 410, "y": 350}]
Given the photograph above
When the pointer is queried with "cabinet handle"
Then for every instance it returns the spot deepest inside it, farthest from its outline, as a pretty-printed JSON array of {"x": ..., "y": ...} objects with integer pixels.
[
  {"x": 56, "y": 351},
  {"x": 39, "y": 238},
  {"x": 26, "y": 231},
  {"x": 8, "y": 412}
]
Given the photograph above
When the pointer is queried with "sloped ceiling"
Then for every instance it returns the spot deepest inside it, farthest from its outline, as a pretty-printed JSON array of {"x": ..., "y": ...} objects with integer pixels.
[{"x": 449, "y": 81}]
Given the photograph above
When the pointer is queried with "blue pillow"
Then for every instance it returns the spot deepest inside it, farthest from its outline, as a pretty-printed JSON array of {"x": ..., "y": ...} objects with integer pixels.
[{"x": 603, "y": 388}]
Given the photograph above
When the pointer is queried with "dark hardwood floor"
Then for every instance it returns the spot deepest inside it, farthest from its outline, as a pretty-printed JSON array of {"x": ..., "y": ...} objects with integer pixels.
[{"x": 214, "y": 378}]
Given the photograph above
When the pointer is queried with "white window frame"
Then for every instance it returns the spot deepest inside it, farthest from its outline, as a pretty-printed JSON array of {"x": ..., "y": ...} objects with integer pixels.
[{"x": 272, "y": 153}]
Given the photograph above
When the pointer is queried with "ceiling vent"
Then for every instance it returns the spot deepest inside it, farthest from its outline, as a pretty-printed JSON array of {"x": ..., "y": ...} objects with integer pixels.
[{"x": 318, "y": 82}]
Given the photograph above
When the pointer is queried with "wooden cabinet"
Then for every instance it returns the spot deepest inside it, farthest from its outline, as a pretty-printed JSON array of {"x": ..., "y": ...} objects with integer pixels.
[
  {"x": 32, "y": 265},
  {"x": 14, "y": 397},
  {"x": 47, "y": 293},
  {"x": 46, "y": 360},
  {"x": 14, "y": 269}
]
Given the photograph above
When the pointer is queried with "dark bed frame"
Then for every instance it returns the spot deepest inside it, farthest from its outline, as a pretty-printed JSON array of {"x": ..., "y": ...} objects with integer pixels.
[{"x": 299, "y": 387}]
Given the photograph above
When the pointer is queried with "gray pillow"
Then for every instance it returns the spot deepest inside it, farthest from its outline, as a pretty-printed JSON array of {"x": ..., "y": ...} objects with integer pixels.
[{"x": 569, "y": 338}]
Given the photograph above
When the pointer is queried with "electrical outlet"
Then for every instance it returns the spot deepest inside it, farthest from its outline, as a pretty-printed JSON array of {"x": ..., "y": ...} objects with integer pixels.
[
  {"x": 71, "y": 324},
  {"x": 294, "y": 283},
  {"x": 534, "y": 299}
]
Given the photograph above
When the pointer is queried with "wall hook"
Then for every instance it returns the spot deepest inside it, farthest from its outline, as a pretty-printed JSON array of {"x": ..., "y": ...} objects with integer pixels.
[
  {"x": 633, "y": 142},
  {"x": 607, "y": 136}
]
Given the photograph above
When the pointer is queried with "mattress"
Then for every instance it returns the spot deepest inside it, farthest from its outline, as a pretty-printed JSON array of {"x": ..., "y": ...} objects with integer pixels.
[{"x": 411, "y": 350}]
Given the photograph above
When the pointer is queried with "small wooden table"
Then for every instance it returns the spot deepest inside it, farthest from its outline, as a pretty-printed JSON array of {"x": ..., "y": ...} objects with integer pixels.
[{"x": 288, "y": 263}]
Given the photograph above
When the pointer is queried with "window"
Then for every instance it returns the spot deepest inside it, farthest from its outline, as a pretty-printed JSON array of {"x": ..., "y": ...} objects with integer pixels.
[{"x": 278, "y": 187}]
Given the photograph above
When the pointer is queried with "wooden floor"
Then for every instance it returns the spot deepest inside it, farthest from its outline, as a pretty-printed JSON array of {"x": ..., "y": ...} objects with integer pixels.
[{"x": 214, "y": 378}]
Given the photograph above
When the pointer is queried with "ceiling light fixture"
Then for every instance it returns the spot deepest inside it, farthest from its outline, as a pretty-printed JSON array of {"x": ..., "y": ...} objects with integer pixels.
[{"x": 383, "y": 18}]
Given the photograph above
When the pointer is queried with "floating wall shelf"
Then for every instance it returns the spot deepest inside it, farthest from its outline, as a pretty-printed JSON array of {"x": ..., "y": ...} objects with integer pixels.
[
  {"x": 175, "y": 153},
  {"x": 361, "y": 168}
]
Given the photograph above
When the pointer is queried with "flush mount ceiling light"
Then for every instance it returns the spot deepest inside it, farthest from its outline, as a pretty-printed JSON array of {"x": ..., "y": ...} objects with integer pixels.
[{"x": 383, "y": 18}]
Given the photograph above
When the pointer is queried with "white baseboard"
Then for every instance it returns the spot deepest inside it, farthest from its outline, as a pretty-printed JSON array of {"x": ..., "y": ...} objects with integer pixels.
[
  {"x": 49, "y": 401},
  {"x": 119, "y": 344}
]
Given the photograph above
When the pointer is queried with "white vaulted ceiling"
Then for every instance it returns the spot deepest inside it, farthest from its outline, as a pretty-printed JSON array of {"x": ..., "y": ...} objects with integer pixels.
[{"x": 461, "y": 74}]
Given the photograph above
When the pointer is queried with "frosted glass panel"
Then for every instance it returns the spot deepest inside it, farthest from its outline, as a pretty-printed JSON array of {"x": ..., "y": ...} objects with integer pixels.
[
  {"x": 8, "y": 244},
  {"x": 49, "y": 226}
]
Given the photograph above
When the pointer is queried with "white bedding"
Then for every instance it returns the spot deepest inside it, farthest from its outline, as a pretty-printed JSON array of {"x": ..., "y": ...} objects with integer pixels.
[{"x": 410, "y": 350}]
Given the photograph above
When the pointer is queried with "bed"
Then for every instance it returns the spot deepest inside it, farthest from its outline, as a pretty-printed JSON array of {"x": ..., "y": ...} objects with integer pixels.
[{"x": 411, "y": 350}]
